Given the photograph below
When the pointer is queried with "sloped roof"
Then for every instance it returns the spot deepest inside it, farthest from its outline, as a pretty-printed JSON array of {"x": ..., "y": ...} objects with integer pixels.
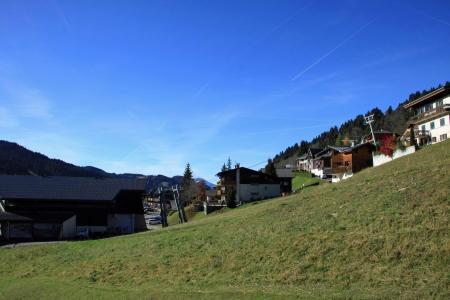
[
  {"x": 324, "y": 153},
  {"x": 441, "y": 92},
  {"x": 303, "y": 156},
  {"x": 315, "y": 151},
  {"x": 284, "y": 173},
  {"x": 341, "y": 149},
  {"x": 8, "y": 216},
  {"x": 65, "y": 188}
]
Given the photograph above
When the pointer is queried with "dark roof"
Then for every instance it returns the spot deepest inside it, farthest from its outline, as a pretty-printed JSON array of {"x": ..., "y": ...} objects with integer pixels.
[
  {"x": 441, "y": 92},
  {"x": 326, "y": 152},
  {"x": 341, "y": 149},
  {"x": 285, "y": 173},
  {"x": 315, "y": 151},
  {"x": 7, "y": 216},
  {"x": 369, "y": 144},
  {"x": 303, "y": 156},
  {"x": 232, "y": 171},
  {"x": 65, "y": 188},
  {"x": 249, "y": 176}
]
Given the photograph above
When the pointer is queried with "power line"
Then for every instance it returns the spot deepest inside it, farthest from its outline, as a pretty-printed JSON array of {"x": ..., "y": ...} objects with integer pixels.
[{"x": 260, "y": 163}]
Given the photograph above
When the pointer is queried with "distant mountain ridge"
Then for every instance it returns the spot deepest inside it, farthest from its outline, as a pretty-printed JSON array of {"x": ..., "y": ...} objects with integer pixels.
[
  {"x": 210, "y": 185},
  {"x": 18, "y": 160}
]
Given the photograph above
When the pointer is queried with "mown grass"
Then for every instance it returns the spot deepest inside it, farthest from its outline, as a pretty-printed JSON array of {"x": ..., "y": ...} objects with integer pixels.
[
  {"x": 303, "y": 179},
  {"x": 191, "y": 215},
  {"x": 384, "y": 233}
]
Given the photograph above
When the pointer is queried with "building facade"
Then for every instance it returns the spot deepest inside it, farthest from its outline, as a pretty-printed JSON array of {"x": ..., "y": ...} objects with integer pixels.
[
  {"x": 431, "y": 121},
  {"x": 61, "y": 208},
  {"x": 305, "y": 162},
  {"x": 246, "y": 185},
  {"x": 340, "y": 163}
]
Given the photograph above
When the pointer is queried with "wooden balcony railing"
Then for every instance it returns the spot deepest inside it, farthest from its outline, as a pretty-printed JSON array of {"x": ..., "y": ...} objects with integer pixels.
[
  {"x": 422, "y": 133},
  {"x": 341, "y": 169},
  {"x": 429, "y": 114}
]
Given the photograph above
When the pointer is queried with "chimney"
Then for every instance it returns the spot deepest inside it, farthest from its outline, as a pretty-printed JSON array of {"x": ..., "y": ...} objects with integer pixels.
[{"x": 238, "y": 183}]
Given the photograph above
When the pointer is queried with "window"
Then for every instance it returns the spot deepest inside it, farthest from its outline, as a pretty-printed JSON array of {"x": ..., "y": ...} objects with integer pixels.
[
  {"x": 439, "y": 102},
  {"x": 434, "y": 139},
  {"x": 443, "y": 137},
  {"x": 423, "y": 128},
  {"x": 432, "y": 125},
  {"x": 442, "y": 121}
]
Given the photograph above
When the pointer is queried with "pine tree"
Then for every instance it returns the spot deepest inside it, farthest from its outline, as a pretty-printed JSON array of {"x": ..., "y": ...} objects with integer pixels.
[
  {"x": 187, "y": 184},
  {"x": 229, "y": 164},
  {"x": 224, "y": 168},
  {"x": 270, "y": 168},
  {"x": 187, "y": 177}
]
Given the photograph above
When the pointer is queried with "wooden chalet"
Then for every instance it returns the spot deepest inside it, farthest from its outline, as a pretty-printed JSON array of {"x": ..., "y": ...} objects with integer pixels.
[
  {"x": 305, "y": 162},
  {"x": 339, "y": 163}
]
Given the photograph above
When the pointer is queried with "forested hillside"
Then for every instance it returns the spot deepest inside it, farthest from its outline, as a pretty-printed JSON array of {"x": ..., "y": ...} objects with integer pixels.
[
  {"x": 17, "y": 160},
  {"x": 391, "y": 120}
]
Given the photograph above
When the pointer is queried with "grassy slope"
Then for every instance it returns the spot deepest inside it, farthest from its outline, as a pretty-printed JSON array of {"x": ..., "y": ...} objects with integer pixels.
[
  {"x": 191, "y": 215},
  {"x": 382, "y": 234},
  {"x": 303, "y": 178}
]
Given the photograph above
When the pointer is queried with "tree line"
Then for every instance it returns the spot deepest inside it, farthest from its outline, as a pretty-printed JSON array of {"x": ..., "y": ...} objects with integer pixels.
[{"x": 394, "y": 120}]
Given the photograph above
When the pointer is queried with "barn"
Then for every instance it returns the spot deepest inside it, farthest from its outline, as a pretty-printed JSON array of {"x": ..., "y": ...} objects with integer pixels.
[{"x": 62, "y": 208}]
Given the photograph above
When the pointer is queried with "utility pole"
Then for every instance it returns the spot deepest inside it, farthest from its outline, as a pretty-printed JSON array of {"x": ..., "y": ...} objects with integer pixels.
[
  {"x": 369, "y": 120},
  {"x": 162, "y": 202},
  {"x": 180, "y": 207}
]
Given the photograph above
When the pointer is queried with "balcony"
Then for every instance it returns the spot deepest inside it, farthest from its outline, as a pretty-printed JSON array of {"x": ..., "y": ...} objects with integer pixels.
[
  {"x": 341, "y": 169},
  {"x": 430, "y": 114},
  {"x": 419, "y": 133}
]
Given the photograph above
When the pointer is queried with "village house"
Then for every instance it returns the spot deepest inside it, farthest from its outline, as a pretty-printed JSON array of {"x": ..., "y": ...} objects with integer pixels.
[
  {"x": 60, "y": 208},
  {"x": 380, "y": 136},
  {"x": 339, "y": 163},
  {"x": 246, "y": 185},
  {"x": 285, "y": 176},
  {"x": 431, "y": 121},
  {"x": 306, "y": 161},
  {"x": 321, "y": 164}
]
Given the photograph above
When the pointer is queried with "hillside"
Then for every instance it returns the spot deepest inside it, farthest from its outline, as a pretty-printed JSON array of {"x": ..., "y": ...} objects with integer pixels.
[
  {"x": 384, "y": 233},
  {"x": 17, "y": 160},
  {"x": 394, "y": 120}
]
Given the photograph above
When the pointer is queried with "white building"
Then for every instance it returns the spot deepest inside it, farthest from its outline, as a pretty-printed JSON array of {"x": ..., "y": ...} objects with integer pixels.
[
  {"x": 247, "y": 185},
  {"x": 431, "y": 120}
]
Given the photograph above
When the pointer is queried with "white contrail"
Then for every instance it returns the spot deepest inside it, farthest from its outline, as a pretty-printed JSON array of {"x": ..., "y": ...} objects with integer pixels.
[
  {"x": 330, "y": 52},
  {"x": 437, "y": 19}
]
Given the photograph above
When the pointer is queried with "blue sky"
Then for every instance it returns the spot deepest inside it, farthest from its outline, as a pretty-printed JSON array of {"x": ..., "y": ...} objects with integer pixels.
[{"x": 147, "y": 86}]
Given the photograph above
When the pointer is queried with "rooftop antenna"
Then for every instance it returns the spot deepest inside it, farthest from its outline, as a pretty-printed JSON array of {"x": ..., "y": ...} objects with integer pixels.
[{"x": 369, "y": 120}]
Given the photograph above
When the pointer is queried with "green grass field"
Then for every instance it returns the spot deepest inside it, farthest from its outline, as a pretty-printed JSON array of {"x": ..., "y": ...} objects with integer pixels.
[
  {"x": 303, "y": 179},
  {"x": 384, "y": 233},
  {"x": 191, "y": 215}
]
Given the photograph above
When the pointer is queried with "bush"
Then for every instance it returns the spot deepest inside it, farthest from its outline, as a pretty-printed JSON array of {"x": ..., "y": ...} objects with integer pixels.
[{"x": 230, "y": 197}]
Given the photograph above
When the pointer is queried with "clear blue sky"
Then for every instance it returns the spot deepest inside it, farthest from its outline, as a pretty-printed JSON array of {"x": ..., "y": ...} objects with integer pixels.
[{"x": 147, "y": 86}]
